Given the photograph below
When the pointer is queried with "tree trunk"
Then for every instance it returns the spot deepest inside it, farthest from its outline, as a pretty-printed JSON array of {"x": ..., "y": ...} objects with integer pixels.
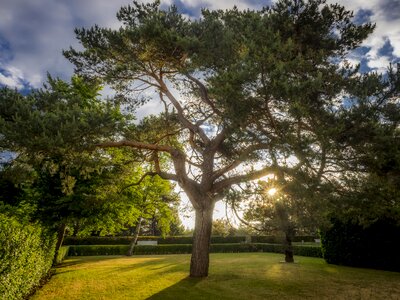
[
  {"x": 288, "y": 248},
  {"x": 60, "y": 239},
  {"x": 201, "y": 242},
  {"x": 76, "y": 229},
  {"x": 153, "y": 226},
  {"x": 135, "y": 238}
]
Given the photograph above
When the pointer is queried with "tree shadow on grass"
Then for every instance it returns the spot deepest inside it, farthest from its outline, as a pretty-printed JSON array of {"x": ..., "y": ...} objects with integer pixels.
[
  {"x": 180, "y": 290},
  {"x": 153, "y": 265},
  {"x": 82, "y": 260}
]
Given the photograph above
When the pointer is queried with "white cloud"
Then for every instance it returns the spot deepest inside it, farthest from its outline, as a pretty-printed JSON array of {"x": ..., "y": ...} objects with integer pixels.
[
  {"x": 386, "y": 15},
  {"x": 379, "y": 64},
  {"x": 13, "y": 78}
]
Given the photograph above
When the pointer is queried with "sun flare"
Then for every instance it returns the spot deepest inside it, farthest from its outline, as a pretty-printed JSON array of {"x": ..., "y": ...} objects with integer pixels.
[{"x": 272, "y": 191}]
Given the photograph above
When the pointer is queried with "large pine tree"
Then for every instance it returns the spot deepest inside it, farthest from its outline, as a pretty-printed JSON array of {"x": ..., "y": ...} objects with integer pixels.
[{"x": 246, "y": 93}]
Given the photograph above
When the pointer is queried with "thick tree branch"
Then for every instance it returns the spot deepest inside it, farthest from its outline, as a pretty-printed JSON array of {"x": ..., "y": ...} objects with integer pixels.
[
  {"x": 228, "y": 182},
  {"x": 203, "y": 93},
  {"x": 163, "y": 175},
  {"x": 242, "y": 157},
  {"x": 185, "y": 122},
  {"x": 218, "y": 140}
]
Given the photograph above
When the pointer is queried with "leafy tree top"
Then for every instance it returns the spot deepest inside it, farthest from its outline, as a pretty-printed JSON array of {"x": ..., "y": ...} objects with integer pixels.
[{"x": 239, "y": 87}]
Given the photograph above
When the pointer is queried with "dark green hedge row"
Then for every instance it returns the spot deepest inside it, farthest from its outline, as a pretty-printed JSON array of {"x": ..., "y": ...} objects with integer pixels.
[
  {"x": 181, "y": 249},
  {"x": 124, "y": 240},
  {"x": 312, "y": 251},
  {"x": 271, "y": 239},
  {"x": 62, "y": 254},
  {"x": 89, "y": 250},
  {"x": 376, "y": 246},
  {"x": 26, "y": 256}
]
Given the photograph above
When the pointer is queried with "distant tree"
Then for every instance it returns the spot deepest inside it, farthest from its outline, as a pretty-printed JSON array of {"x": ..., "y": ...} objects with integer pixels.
[
  {"x": 176, "y": 226},
  {"x": 243, "y": 92},
  {"x": 281, "y": 207},
  {"x": 221, "y": 227},
  {"x": 152, "y": 199}
]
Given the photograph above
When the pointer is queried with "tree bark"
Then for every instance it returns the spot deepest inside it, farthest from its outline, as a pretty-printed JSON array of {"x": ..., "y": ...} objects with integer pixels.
[
  {"x": 135, "y": 238},
  {"x": 288, "y": 248},
  {"x": 201, "y": 242},
  {"x": 60, "y": 239}
]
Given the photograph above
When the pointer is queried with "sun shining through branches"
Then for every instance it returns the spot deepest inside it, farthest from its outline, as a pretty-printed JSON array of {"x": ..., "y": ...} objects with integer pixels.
[{"x": 272, "y": 192}]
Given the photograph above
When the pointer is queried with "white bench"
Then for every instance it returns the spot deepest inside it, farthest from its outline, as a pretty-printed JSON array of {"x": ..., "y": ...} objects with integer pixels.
[{"x": 146, "y": 243}]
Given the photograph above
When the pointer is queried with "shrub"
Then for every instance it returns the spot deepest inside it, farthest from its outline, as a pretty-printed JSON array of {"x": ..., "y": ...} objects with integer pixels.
[
  {"x": 376, "y": 246},
  {"x": 187, "y": 248},
  {"x": 26, "y": 256}
]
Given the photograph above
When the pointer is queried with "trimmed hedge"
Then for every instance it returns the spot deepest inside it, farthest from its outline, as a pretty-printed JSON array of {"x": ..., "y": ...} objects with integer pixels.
[
  {"x": 92, "y": 250},
  {"x": 89, "y": 250},
  {"x": 310, "y": 251},
  {"x": 125, "y": 240},
  {"x": 26, "y": 257},
  {"x": 97, "y": 240},
  {"x": 376, "y": 246},
  {"x": 227, "y": 239},
  {"x": 271, "y": 239},
  {"x": 62, "y": 254}
]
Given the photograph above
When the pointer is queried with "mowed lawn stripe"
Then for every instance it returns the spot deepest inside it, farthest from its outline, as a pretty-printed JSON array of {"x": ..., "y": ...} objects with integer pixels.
[{"x": 232, "y": 276}]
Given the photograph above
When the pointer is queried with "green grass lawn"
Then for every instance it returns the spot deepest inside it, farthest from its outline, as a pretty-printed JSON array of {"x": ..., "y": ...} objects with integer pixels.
[{"x": 232, "y": 276}]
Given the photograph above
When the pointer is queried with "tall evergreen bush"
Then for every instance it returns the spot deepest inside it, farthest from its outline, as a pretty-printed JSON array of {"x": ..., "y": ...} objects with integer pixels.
[
  {"x": 26, "y": 256},
  {"x": 374, "y": 246}
]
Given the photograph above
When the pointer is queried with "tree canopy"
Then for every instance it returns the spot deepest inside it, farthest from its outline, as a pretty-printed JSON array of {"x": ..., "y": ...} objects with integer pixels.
[
  {"x": 246, "y": 94},
  {"x": 57, "y": 177}
]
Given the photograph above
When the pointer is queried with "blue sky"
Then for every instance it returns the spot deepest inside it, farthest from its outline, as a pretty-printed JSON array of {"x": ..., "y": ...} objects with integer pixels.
[{"x": 33, "y": 33}]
